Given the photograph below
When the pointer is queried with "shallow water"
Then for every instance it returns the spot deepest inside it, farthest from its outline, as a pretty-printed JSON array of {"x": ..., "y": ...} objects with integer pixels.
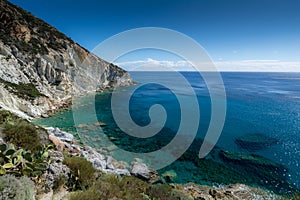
[{"x": 265, "y": 103}]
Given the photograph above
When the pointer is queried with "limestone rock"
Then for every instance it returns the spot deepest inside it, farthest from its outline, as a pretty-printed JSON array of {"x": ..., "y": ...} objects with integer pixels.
[
  {"x": 44, "y": 115},
  {"x": 62, "y": 135},
  {"x": 140, "y": 170},
  {"x": 97, "y": 159},
  {"x": 55, "y": 170},
  {"x": 60, "y": 145},
  {"x": 33, "y": 52}
]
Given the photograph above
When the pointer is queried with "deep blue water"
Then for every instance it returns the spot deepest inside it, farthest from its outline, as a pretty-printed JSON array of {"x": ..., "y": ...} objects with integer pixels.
[{"x": 264, "y": 103}]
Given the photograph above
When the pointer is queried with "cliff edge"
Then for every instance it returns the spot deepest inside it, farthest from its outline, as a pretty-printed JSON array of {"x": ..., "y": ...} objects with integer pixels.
[{"x": 40, "y": 67}]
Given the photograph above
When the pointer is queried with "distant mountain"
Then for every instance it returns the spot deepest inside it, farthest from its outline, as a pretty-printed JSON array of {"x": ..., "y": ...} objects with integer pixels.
[{"x": 40, "y": 67}]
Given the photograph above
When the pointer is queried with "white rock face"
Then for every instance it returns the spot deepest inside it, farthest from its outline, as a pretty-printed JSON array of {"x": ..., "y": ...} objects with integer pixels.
[
  {"x": 56, "y": 78},
  {"x": 104, "y": 163},
  {"x": 140, "y": 170},
  {"x": 33, "y": 52}
]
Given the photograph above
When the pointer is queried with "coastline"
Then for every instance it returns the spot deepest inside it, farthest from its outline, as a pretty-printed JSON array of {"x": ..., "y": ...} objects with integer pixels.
[
  {"x": 109, "y": 165},
  {"x": 65, "y": 142},
  {"x": 186, "y": 187}
]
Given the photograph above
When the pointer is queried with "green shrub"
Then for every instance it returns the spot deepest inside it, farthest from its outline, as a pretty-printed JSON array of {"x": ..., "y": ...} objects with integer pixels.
[
  {"x": 23, "y": 90},
  {"x": 83, "y": 172},
  {"x": 12, "y": 188},
  {"x": 113, "y": 187},
  {"x": 159, "y": 191},
  {"x": 22, "y": 134},
  {"x": 127, "y": 187},
  {"x": 90, "y": 194},
  {"x": 7, "y": 117},
  {"x": 59, "y": 182},
  {"x": 28, "y": 187}
]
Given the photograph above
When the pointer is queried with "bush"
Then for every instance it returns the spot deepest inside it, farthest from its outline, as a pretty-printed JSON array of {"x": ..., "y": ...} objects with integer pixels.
[
  {"x": 82, "y": 172},
  {"x": 12, "y": 188},
  {"x": 113, "y": 187},
  {"x": 90, "y": 194},
  {"x": 59, "y": 182},
  {"x": 7, "y": 117},
  {"x": 28, "y": 187},
  {"x": 160, "y": 191},
  {"x": 23, "y": 90},
  {"x": 127, "y": 187},
  {"x": 22, "y": 134}
]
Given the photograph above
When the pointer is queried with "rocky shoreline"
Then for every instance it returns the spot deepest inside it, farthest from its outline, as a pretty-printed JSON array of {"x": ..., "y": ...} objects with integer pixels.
[{"x": 65, "y": 141}]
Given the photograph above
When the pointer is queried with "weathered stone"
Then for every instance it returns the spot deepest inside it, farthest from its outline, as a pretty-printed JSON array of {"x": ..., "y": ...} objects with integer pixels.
[
  {"x": 57, "y": 142},
  {"x": 100, "y": 124},
  {"x": 44, "y": 115},
  {"x": 56, "y": 156},
  {"x": 56, "y": 65},
  {"x": 140, "y": 170},
  {"x": 111, "y": 162},
  {"x": 62, "y": 135},
  {"x": 97, "y": 159},
  {"x": 55, "y": 170}
]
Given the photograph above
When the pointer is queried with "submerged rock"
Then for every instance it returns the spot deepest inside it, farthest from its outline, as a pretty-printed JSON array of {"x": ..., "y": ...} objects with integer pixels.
[
  {"x": 169, "y": 176},
  {"x": 259, "y": 171},
  {"x": 249, "y": 159},
  {"x": 255, "y": 142},
  {"x": 100, "y": 124}
]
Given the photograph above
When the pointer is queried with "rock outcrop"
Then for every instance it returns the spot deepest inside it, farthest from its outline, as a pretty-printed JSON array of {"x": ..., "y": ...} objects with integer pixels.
[
  {"x": 40, "y": 68},
  {"x": 62, "y": 141},
  {"x": 230, "y": 192}
]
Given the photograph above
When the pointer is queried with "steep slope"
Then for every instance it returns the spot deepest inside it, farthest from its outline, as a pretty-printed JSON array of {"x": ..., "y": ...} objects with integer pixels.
[{"x": 40, "y": 67}]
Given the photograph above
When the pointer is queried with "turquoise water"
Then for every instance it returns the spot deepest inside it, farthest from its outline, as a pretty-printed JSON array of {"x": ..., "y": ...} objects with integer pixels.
[{"x": 260, "y": 103}]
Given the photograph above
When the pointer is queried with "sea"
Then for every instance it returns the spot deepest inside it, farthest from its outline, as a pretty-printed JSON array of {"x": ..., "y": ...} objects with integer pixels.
[{"x": 259, "y": 142}]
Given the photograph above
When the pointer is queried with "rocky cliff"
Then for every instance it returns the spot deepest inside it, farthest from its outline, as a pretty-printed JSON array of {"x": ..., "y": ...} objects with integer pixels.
[{"x": 40, "y": 68}]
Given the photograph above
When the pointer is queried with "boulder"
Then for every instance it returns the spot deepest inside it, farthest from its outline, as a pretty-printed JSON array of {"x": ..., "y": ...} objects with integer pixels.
[
  {"x": 44, "y": 115},
  {"x": 97, "y": 159},
  {"x": 60, "y": 145},
  {"x": 62, "y": 135},
  {"x": 140, "y": 170},
  {"x": 110, "y": 162}
]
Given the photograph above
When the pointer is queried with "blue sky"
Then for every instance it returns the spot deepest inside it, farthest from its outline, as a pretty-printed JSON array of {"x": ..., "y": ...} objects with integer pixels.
[{"x": 229, "y": 30}]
